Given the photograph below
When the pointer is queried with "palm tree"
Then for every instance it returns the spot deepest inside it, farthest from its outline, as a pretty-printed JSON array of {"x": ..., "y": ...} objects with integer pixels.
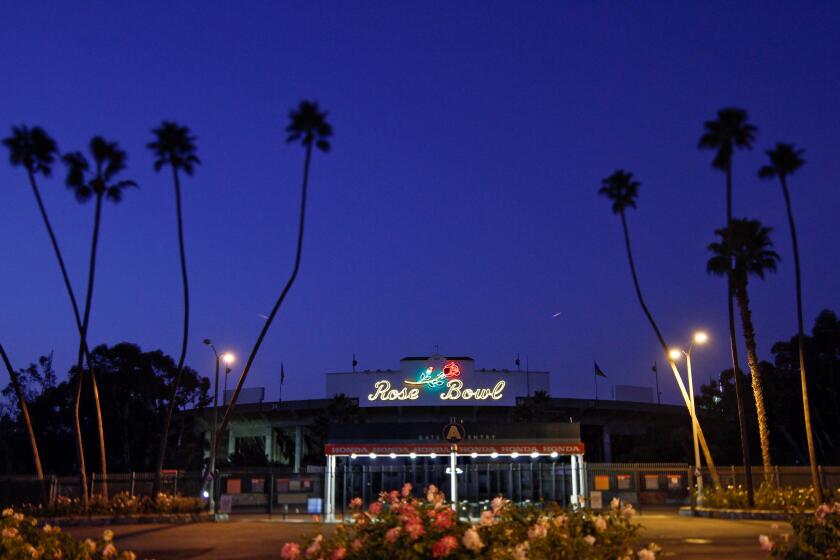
[
  {"x": 174, "y": 145},
  {"x": 785, "y": 159},
  {"x": 24, "y": 410},
  {"x": 97, "y": 181},
  {"x": 309, "y": 126},
  {"x": 622, "y": 190},
  {"x": 747, "y": 244},
  {"x": 729, "y": 131}
]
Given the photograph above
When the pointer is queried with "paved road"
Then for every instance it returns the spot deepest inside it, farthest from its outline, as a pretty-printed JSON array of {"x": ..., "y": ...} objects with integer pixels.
[{"x": 257, "y": 538}]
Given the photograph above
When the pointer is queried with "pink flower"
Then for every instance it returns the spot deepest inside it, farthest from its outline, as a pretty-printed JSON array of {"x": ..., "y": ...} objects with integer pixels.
[
  {"x": 355, "y": 503},
  {"x": 472, "y": 540},
  {"x": 414, "y": 529},
  {"x": 628, "y": 512},
  {"x": 537, "y": 532},
  {"x": 392, "y": 535},
  {"x": 497, "y": 504},
  {"x": 487, "y": 518},
  {"x": 765, "y": 542},
  {"x": 645, "y": 554},
  {"x": 338, "y": 553},
  {"x": 375, "y": 508},
  {"x": 589, "y": 539},
  {"x": 615, "y": 503},
  {"x": 600, "y": 523},
  {"x": 406, "y": 490},
  {"x": 290, "y": 551},
  {"x": 315, "y": 547},
  {"x": 444, "y": 547},
  {"x": 393, "y": 497},
  {"x": 443, "y": 520},
  {"x": 357, "y": 545}
]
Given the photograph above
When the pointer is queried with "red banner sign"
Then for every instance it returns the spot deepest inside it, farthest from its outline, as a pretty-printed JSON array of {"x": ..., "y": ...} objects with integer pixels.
[{"x": 543, "y": 448}]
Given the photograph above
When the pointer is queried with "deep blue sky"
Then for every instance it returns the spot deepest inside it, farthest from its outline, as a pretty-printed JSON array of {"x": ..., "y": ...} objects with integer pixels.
[{"x": 458, "y": 206}]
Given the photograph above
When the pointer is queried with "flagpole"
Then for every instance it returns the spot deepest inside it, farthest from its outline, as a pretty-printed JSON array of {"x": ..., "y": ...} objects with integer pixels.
[{"x": 595, "y": 379}]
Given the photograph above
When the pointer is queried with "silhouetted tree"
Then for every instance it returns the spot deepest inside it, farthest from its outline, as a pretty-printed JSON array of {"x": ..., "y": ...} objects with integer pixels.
[
  {"x": 747, "y": 243},
  {"x": 98, "y": 181},
  {"x": 24, "y": 410},
  {"x": 536, "y": 408},
  {"x": 729, "y": 131},
  {"x": 785, "y": 159},
  {"x": 174, "y": 146},
  {"x": 309, "y": 126}
]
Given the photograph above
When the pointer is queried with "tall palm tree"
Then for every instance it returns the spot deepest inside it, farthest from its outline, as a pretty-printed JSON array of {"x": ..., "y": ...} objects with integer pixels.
[
  {"x": 785, "y": 159},
  {"x": 309, "y": 126},
  {"x": 174, "y": 146},
  {"x": 746, "y": 250},
  {"x": 96, "y": 181},
  {"x": 36, "y": 151},
  {"x": 622, "y": 190},
  {"x": 24, "y": 410},
  {"x": 729, "y": 131}
]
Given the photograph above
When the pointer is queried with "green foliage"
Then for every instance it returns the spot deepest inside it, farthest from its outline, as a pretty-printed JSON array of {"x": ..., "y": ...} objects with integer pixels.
[
  {"x": 816, "y": 536},
  {"x": 119, "y": 505},
  {"x": 786, "y": 498},
  {"x": 402, "y": 527},
  {"x": 22, "y": 539}
]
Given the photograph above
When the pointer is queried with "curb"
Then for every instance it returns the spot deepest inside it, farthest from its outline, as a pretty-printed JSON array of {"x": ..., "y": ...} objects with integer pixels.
[
  {"x": 722, "y": 513},
  {"x": 140, "y": 519}
]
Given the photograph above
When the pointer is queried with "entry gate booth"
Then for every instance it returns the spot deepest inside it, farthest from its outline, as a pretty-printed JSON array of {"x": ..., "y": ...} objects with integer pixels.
[{"x": 522, "y": 462}]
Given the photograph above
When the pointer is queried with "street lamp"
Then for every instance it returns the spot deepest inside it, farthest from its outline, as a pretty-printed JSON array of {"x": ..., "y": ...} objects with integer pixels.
[
  {"x": 699, "y": 338},
  {"x": 228, "y": 358}
]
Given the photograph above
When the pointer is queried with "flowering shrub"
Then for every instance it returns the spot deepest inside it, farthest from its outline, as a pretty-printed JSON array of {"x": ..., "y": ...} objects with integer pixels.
[
  {"x": 817, "y": 536},
  {"x": 400, "y": 526},
  {"x": 119, "y": 504},
  {"x": 21, "y": 538},
  {"x": 767, "y": 497}
]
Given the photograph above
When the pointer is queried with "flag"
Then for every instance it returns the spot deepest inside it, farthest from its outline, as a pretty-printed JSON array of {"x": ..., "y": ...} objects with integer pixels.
[
  {"x": 282, "y": 373},
  {"x": 355, "y": 362},
  {"x": 653, "y": 369},
  {"x": 517, "y": 360},
  {"x": 598, "y": 372}
]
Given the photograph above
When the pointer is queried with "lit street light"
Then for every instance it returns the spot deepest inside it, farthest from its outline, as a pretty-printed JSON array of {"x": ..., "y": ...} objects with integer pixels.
[
  {"x": 228, "y": 358},
  {"x": 699, "y": 338}
]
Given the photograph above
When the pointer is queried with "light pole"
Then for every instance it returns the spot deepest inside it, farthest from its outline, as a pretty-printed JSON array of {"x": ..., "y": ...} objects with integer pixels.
[
  {"x": 699, "y": 337},
  {"x": 228, "y": 359}
]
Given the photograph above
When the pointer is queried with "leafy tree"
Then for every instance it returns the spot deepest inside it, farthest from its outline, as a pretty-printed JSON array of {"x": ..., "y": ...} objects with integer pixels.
[
  {"x": 174, "y": 146},
  {"x": 785, "y": 159},
  {"x": 98, "y": 181},
  {"x": 730, "y": 131},
  {"x": 309, "y": 126},
  {"x": 536, "y": 408},
  {"x": 137, "y": 386},
  {"x": 24, "y": 410},
  {"x": 747, "y": 244}
]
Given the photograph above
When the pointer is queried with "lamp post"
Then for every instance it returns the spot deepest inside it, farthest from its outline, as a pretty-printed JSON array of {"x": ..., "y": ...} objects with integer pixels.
[
  {"x": 699, "y": 338},
  {"x": 228, "y": 359}
]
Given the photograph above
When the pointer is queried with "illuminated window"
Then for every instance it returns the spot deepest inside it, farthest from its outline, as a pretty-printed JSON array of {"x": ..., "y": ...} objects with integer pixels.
[
  {"x": 651, "y": 482},
  {"x": 602, "y": 482},
  {"x": 674, "y": 482},
  {"x": 623, "y": 481}
]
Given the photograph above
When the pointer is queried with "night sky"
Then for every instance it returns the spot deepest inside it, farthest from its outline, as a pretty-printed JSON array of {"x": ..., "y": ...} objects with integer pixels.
[{"x": 459, "y": 204}]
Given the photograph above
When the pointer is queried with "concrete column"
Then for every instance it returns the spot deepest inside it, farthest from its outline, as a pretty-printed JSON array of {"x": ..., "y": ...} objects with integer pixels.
[
  {"x": 298, "y": 447},
  {"x": 575, "y": 481},
  {"x": 607, "y": 443},
  {"x": 453, "y": 478},
  {"x": 269, "y": 448},
  {"x": 329, "y": 490},
  {"x": 584, "y": 482}
]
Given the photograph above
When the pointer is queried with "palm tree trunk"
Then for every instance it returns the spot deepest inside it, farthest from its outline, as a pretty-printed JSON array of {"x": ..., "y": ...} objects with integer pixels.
[
  {"x": 755, "y": 376},
  {"x": 702, "y": 438},
  {"x": 36, "y": 457},
  {"x": 83, "y": 343},
  {"x": 733, "y": 348},
  {"x": 809, "y": 436},
  {"x": 74, "y": 304},
  {"x": 274, "y": 310},
  {"x": 180, "y": 369}
]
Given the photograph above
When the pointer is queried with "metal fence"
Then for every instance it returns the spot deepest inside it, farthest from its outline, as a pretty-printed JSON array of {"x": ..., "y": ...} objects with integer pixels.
[{"x": 282, "y": 491}]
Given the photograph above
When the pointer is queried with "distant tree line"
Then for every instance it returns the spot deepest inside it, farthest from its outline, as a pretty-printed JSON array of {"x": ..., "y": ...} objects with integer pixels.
[{"x": 135, "y": 388}]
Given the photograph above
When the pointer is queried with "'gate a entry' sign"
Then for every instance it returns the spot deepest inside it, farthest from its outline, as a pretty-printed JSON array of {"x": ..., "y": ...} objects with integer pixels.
[{"x": 454, "y": 432}]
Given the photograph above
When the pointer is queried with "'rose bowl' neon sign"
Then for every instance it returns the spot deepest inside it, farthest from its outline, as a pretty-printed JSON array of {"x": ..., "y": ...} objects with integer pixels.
[{"x": 431, "y": 380}]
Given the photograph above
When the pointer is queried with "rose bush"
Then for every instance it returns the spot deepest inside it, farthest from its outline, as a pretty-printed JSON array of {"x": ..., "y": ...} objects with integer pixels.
[
  {"x": 22, "y": 539},
  {"x": 816, "y": 536},
  {"x": 399, "y": 526},
  {"x": 119, "y": 504}
]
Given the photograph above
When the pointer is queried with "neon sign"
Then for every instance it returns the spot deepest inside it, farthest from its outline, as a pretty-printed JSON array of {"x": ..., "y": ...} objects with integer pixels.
[{"x": 444, "y": 381}]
